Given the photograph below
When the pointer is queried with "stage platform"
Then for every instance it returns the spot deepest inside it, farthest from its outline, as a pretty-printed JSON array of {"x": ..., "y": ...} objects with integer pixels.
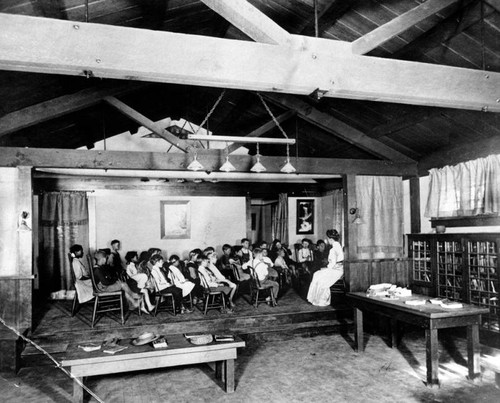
[{"x": 55, "y": 328}]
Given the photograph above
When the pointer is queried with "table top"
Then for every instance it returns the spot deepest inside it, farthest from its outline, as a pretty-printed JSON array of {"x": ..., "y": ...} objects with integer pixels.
[
  {"x": 177, "y": 344},
  {"x": 427, "y": 310}
]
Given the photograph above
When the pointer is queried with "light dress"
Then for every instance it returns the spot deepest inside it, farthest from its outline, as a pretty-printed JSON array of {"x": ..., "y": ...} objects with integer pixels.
[
  {"x": 83, "y": 287},
  {"x": 319, "y": 290},
  {"x": 140, "y": 278},
  {"x": 179, "y": 280}
]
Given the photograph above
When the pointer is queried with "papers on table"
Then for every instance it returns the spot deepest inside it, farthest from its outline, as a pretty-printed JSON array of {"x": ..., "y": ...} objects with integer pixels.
[
  {"x": 88, "y": 347},
  {"x": 415, "y": 302}
]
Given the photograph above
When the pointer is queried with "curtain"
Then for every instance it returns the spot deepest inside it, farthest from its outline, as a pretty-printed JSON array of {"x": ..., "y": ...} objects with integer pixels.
[
  {"x": 338, "y": 212},
  {"x": 380, "y": 204},
  {"x": 280, "y": 219},
  {"x": 467, "y": 189},
  {"x": 64, "y": 222}
]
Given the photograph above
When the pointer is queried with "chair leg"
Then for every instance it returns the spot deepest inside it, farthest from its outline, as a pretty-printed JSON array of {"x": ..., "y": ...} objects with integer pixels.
[
  {"x": 157, "y": 303},
  {"x": 207, "y": 299},
  {"x": 75, "y": 303},
  {"x": 121, "y": 309},
  {"x": 96, "y": 302},
  {"x": 223, "y": 300},
  {"x": 173, "y": 306},
  {"x": 256, "y": 303}
]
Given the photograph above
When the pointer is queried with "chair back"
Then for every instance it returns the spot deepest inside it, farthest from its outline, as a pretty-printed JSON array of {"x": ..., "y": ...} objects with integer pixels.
[
  {"x": 254, "y": 279},
  {"x": 73, "y": 276},
  {"x": 92, "y": 278},
  {"x": 236, "y": 273}
]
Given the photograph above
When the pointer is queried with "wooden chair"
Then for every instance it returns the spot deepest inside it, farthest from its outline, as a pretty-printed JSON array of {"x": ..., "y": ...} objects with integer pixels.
[
  {"x": 106, "y": 301},
  {"x": 160, "y": 298},
  {"x": 212, "y": 299},
  {"x": 258, "y": 292},
  {"x": 75, "y": 305}
]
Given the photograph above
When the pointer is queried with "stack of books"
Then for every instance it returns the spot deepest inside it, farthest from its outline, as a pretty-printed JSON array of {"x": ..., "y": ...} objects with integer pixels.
[{"x": 224, "y": 337}]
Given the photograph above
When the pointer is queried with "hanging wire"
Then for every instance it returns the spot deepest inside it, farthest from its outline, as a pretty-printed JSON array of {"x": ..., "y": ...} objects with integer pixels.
[
  {"x": 272, "y": 116},
  {"x": 58, "y": 364},
  {"x": 481, "y": 5},
  {"x": 316, "y": 29},
  {"x": 211, "y": 111}
]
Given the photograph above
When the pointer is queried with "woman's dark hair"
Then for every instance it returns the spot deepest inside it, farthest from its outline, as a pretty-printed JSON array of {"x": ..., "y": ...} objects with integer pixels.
[
  {"x": 130, "y": 255},
  {"x": 76, "y": 248},
  {"x": 332, "y": 233},
  {"x": 174, "y": 258},
  {"x": 275, "y": 242},
  {"x": 236, "y": 248},
  {"x": 320, "y": 242},
  {"x": 201, "y": 257}
]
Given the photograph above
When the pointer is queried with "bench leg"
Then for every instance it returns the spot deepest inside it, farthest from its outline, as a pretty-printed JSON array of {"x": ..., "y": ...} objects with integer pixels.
[
  {"x": 358, "y": 333},
  {"x": 219, "y": 370},
  {"x": 431, "y": 336},
  {"x": 77, "y": 391},
  {"x": 229, "y": 375}
]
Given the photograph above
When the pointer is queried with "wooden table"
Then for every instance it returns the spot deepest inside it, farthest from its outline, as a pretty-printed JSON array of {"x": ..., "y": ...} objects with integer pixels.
[
  {"x": 135, "y": 358},
  {"x": 429, "y": 316}
]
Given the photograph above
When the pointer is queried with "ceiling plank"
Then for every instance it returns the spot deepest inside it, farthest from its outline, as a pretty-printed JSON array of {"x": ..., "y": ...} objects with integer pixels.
[
  {"x": 250, "y": 20},
  {"x": 450, "y": 27},
  {"x": 402, "y": 122},
  {"x": 338, "y": 128},
  {"x": 148, "y": 123},
  {"x": 26, "y": 44},
  {"x": 211, "y": 160},
  {"x": 61, "y": 106},
  {"x": 260, "y": 131},
  {"x": 386, "y": 32},
  {"x": 460, "y": 153}
]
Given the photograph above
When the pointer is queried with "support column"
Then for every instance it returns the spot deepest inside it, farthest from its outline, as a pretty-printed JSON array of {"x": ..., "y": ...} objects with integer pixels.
[{"x": 16, "y": 254}]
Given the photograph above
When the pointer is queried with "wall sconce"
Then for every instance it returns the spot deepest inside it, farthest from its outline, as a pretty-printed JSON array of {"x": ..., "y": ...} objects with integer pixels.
[
  {"x": 357, "y": 219},
  {"x": 22, "y": 226}
]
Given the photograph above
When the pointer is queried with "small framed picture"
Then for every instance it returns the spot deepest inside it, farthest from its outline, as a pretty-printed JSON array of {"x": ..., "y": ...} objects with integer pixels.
[{"x": 305, "y": 216}]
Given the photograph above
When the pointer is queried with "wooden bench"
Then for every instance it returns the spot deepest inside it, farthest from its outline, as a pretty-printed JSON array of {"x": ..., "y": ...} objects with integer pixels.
[
  {"x": 135, "y": 358},
  {"x": 493, "y": 364}
]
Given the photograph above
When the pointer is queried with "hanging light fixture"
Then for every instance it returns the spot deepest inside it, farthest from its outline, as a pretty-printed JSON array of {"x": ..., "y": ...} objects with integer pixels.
[
  {"x": 258, "y": 167},
  {"x": 227, "y": 166},
  {"x": 288, "y": 167},
  {"x": 195, "y": 164}
]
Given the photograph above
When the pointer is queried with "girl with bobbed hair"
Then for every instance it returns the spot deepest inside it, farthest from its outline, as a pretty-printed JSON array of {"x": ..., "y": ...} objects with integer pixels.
[{"x": 323, "y": 279}]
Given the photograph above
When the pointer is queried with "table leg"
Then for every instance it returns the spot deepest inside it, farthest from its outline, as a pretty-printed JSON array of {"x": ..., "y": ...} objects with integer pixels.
[
  {"x": 394, "y": 333},
  {"x": 473, "y": 351},
  {"x": 229, "y": 375},
  {"x": 219, "y": 370},
  {"x": 431, "y": 338},
  {"x": 358, "y": 323},
  {"x": 77, "y": 390}
]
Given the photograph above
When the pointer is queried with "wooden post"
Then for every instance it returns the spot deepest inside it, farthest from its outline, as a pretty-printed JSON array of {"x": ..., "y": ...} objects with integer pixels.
[
  {"x": 16, "y": 279},
  {"x": 415, "y": 205}
]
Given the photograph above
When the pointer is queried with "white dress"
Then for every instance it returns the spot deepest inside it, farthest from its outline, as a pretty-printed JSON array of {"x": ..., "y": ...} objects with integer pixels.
[
  {"x": 83, "y": 287},
  {"x": 319, "y": 290},
  {"x": 140, "y": 278},
  {"x": 180, "y": 281}
]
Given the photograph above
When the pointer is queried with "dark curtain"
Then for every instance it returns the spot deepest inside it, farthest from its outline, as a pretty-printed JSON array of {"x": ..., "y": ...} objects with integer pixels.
[
  {"x": 64, "y": 221},
  {"x": 280, "y": 219}
]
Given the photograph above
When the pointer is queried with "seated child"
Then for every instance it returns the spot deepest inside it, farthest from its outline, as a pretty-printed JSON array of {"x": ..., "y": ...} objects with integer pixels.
[
  {"x": 261, "y": 270},
  {"x": 163, "y": 284},
  {"x": 139, "y": 279}
]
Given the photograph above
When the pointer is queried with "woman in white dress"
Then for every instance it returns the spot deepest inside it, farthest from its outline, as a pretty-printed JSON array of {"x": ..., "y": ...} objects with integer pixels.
[
  {"x": 319, "y": 290},
  {"x": 83, "y": 283}
]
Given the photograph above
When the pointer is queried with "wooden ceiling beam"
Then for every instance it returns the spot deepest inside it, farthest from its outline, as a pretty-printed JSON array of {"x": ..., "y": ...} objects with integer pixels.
[
  {"x": 26, "y": 44},
  {"x": 61, "y": 106},
  {"x": 260, "y": 131},
  {"x": 146, "y": 122},
  {"x": 338, "y": 128},
  {"x": 250, "y": 20},
  {"x": 386, "y": 32},
  {"x": 211, "y": 160},
  {"x": 402, "y": 122}
]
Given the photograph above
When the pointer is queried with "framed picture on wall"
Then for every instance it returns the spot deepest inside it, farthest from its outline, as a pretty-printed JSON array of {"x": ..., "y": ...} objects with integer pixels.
[
  {"x": 175, "y": 219},
  {"x": 305, "y": 216}
]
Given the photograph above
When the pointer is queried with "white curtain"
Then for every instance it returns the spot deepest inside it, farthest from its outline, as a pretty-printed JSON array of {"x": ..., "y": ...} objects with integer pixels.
[
  {"x": 380, "y": 203},
  {"x": 467, "y": 189}
]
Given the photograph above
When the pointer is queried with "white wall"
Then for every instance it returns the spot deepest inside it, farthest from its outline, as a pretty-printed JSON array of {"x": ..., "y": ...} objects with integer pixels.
[{"x": 134, "y": 218}]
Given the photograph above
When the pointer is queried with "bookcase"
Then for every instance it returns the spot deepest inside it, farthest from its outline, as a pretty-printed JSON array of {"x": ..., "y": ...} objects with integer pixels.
[{"x": 461, "y": 267}]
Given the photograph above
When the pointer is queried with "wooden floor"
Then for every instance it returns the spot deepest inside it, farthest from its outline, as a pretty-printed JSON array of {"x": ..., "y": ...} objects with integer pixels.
[{"x": 55, "y": 328}]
